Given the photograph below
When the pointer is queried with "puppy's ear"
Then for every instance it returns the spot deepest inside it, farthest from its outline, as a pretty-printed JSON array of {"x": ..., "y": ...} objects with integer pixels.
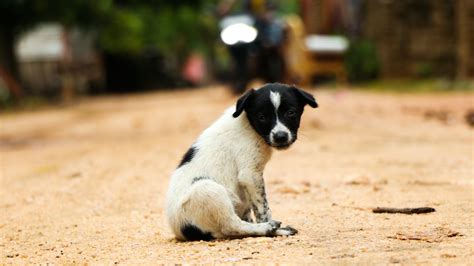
[
  {"x": 239, "y": 108},
  {"x": 307, "y": 97}
]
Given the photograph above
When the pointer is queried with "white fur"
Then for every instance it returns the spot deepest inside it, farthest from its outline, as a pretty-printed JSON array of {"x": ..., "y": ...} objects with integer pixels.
[
  {"x": 280, "y": 127},
  {"x": 275, "y": 98},
  {"x": 232, "y": 155}
]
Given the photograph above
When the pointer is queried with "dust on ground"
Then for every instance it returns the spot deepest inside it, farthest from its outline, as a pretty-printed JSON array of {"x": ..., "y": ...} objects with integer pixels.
[{"x": 86, "y": 183}]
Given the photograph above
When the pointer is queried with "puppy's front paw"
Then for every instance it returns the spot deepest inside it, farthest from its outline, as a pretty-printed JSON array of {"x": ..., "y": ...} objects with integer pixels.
[
  {"x": 286, "y": 231},
  {"x": 273, "y": 226}
]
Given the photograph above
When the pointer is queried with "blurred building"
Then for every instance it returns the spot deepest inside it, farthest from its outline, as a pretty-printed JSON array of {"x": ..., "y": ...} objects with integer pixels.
[
  {"x": 413, "y": 38},
  {"x": 53, "y": 60}
]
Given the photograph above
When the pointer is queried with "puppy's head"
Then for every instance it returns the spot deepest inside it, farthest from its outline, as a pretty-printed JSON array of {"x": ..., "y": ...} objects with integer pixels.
[{"x": 274, "y": 111}]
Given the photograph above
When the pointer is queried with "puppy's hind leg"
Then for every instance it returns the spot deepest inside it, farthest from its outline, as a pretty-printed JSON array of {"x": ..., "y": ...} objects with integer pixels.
[{"x": 209, "y": 208}]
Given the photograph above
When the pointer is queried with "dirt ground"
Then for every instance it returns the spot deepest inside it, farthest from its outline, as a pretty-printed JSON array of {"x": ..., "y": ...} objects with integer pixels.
[{"x": 86, "y": 183}]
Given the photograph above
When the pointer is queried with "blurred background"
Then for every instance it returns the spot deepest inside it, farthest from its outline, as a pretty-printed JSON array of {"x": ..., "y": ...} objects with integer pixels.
[
  {"x": 100, "y": 99},
  {"x": 57, "y": 50}
]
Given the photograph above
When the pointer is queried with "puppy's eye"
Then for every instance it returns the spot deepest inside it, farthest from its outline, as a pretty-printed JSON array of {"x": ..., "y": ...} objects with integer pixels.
[
  {"x": 262, "y": 118},
  {"x": 290, "y": 113}
]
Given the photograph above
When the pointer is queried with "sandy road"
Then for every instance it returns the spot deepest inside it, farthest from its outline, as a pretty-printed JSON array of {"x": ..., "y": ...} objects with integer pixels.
[{"x": 86, "y": 183}]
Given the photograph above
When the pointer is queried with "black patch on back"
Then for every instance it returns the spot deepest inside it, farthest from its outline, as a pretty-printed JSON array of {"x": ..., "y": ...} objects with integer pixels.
[
  {"x": 199, "y": 178},
  {"x": 193, "y": 233},
  {"x": 188, "y": 156}
]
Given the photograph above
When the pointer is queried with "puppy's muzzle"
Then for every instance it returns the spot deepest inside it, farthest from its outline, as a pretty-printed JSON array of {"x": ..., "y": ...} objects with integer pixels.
[{"x": 280, "y": 139}]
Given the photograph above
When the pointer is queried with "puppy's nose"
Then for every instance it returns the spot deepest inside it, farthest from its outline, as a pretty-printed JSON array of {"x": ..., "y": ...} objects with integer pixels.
[{"x": 280, "y": 137}]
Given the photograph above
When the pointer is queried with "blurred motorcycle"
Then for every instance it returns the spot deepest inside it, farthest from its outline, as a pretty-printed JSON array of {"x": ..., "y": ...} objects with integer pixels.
[{"x": 255, "y": 48}]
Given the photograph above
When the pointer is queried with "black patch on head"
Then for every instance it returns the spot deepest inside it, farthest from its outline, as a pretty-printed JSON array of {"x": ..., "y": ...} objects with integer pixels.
[
  {"x": 260, "y": 110},
  {"x": 193, "y": 233},
  {"x": 308, "y": 98},
  {"x": 241, "y": 102},
  {"x": 199, "y": 178},
  {"x": 188, "y": 156}
]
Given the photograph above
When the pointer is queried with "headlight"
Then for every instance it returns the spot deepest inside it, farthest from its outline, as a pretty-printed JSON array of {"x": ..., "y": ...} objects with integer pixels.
[{"x": 238, "y": 33}]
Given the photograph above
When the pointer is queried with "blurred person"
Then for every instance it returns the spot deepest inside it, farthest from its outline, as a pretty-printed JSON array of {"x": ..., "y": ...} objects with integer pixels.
[{"x": 263, "y": 56}]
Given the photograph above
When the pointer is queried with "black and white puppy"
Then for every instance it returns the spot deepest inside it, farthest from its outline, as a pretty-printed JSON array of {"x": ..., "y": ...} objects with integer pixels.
[{"x": 219, "y": 182}]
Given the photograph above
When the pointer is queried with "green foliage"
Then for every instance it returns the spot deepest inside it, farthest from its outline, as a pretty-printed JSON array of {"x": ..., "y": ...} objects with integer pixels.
[
  {"x": 362, "y": 63},
  {"x": 424, "y": 70},
  {"x": 288, "y": 7},
  {"x": 418, "y": 85},
  {"x": 5, "y": 96},
  {"x": 169, "y": 29},
  {"x": 123, "y": 32},
  {"x": 22, "y": 14},
  {"x": 124, "y": 26}
]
